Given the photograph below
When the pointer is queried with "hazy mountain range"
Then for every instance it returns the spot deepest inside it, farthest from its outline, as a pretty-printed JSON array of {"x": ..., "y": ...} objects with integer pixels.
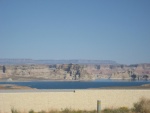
[{"x": 74, "y": 61}]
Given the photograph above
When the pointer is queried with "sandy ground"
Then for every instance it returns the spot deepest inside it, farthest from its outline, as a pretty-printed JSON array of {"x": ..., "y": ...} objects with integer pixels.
[
  {"x": 11, "y": 86},
  {"x": 61, "y": 99}
]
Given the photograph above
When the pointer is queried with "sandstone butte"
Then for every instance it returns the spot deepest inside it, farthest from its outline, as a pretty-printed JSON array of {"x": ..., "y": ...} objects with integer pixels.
[{"x": 72, "y": 72}]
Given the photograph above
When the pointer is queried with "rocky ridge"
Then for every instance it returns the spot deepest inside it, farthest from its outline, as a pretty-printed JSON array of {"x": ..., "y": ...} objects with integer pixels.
[{"x": 72, "y": 71}]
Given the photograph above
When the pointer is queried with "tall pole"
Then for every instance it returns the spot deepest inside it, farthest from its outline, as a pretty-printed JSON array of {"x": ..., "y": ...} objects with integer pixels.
[{"x": 98, "y": 106}]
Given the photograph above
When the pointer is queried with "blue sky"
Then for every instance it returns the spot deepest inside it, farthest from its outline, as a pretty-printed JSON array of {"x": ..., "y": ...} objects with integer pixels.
[{"x": 116, "y": 30}]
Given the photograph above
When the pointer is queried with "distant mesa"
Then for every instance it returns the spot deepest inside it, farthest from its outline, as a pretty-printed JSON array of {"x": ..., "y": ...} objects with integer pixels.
[
  {"x": 77, "y": 70},
  {"x": 76, "y": 61}
]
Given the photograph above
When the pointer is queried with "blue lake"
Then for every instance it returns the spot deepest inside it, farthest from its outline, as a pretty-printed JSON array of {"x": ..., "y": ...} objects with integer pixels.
[{"x": 77, "y": 84}]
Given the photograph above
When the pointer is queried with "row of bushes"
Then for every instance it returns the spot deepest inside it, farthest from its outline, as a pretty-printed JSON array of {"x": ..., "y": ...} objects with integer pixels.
[{"x": 142, "y": 106}]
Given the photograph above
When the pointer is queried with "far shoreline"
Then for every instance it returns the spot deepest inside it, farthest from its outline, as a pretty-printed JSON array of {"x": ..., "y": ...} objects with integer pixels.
[{"x": 60, "y": 80}]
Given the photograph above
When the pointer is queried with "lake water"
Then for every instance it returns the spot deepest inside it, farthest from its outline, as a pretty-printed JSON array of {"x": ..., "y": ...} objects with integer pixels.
[{"x": 77, "y": 84}]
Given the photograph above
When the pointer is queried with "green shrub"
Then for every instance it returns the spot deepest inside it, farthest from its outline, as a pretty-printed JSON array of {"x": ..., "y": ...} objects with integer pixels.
[
  {"x": 94, "y": 111},
  {"x": 66, "y": 110},
  {"x": 107, "y": 110},
  {"x": 31, "y": 111},
  {"x": 117, "y": 110},
  {"x": 53, "y": 111},
  {"x": 14, "y": 110},
  {"x": 123, "y": 110},
  {"x": 143, "y": 106},
  {"x": 43, "y": 111},
  {"x": 74, "y": 111}
]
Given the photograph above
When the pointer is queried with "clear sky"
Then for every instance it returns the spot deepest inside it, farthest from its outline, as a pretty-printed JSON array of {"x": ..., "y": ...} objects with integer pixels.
[{"x": 116, "y": 30}]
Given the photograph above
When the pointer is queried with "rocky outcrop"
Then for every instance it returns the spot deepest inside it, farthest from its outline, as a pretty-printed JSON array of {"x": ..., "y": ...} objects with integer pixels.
[{"x": 72, "y": 72}]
